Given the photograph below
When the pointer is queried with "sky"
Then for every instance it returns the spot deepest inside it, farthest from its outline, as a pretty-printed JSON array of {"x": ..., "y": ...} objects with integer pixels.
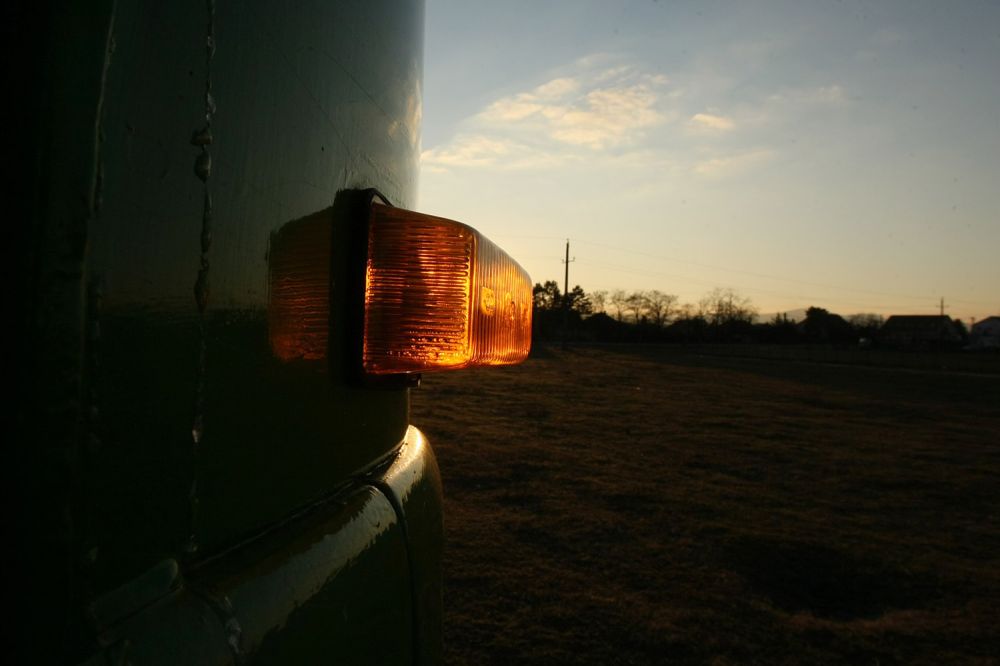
[{"x": 844, "y": 155}]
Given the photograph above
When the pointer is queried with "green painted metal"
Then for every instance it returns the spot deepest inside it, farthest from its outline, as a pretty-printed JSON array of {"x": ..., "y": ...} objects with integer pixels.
[
  {"x": 175, "y": 467},
  {"x": 299, "y": 114},
  {"x": 330, "y": 585}
]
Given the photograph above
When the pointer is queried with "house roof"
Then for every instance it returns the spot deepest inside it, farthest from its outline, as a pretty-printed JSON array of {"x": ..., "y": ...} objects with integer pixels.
[
  {"x": 989, "y": 324},
  {"x": 925, "y": 327},
  {"x": 915, "y": 320}
]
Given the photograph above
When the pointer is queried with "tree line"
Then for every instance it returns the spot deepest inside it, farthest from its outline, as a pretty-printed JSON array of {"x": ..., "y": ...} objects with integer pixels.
[{"x": 721, "y": 315}]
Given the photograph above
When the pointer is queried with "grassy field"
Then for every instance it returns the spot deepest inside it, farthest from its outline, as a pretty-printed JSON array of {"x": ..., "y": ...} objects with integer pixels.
[{"x": 634, "y": 505}]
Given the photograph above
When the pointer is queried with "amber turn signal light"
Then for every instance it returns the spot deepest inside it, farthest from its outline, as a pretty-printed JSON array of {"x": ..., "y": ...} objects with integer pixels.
[{"x": 439, "y": 296}]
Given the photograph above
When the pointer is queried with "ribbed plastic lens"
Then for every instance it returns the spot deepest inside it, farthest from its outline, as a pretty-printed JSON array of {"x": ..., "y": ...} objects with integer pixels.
[{"x": 439, "y": 296}]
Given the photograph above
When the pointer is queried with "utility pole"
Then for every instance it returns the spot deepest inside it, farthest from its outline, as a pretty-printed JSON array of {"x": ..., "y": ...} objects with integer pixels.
[
  {"x": 566, "y": 261},
  {"x": 942, "y": 325}
]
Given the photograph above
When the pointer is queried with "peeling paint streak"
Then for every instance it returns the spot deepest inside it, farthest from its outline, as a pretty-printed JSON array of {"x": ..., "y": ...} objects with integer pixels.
[
  {"x": 202, "y": 140},
  {"x": 88, "y": 548}
]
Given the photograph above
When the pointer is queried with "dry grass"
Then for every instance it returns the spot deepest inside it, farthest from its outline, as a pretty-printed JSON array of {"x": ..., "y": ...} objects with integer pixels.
[{"x": 647, "y": 505}]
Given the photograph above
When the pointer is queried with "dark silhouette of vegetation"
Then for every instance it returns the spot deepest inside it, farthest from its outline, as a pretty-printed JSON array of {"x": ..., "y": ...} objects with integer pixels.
[
  {"x": 555, "y": 312},
  {"x": 823, "y": 326},
  {"x": 723, "y": 315},
  {"x": 866, "y": 324}
]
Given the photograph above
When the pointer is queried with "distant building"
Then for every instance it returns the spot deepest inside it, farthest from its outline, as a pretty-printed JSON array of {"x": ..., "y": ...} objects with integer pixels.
[
  {"x": 985, "y": 334},
  {"x": 920, "y": 332}
]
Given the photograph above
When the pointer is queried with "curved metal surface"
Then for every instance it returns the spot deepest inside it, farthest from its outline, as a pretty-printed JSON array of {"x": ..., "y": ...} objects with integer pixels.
[
  {"x": 355, "y": 579},
  {"x": 169, "y": 145},
  {"x": 332, "y": 584},
  {"x": 224, "y": 125},
  {"x": 413, "y": 484}
]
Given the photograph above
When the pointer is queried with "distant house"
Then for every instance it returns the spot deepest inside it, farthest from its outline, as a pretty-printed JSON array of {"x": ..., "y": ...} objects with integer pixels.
[
  {"x": 920, "y": 332},
  {"x": 985, "y": 334}
]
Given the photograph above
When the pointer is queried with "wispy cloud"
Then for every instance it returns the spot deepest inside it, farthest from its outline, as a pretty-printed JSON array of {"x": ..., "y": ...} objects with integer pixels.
[
  {"x": 598, "y": 113},
  {"x": 790, "y": 106},
  {"x": 557, "y": 88},
  {"x": 711, "y": 122},
  {"x": 606, "y": 117},
  {"x": 590, "y": 112},
  {"x": 727, "y": 165},
  {"x": 468, "y": 151},
  {"x": 479, "y": 151},
  {"x": 602, "y": 114}
]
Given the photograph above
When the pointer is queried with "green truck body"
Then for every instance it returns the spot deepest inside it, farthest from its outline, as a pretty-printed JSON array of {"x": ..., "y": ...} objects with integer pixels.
[{"x": 182, "y": 492}]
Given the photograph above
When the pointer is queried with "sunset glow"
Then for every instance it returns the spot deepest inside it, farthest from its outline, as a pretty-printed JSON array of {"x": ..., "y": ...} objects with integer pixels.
[{"x": 842, "y": 155}]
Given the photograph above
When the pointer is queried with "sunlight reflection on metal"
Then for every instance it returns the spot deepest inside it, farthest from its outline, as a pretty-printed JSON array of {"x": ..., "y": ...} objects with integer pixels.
[
  {"x": 439, "y": 296},
  {"x": 299, "y": 289}
]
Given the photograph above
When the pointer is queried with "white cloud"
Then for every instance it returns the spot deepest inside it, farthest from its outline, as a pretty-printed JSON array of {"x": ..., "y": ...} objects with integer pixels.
[
  {"x": 598, "y": 118},
  {"x": 479, "y": 151},
  {"x": 711, "y": 122},
  {"x": 557, "y": 88},
  {"x": 512, "y": 109},
  {"x": 606, "y": 117},
  {"x": 467, "y": 151},
  {"x": 592, "y": 111},
  {"x": 729, "y": 164}
]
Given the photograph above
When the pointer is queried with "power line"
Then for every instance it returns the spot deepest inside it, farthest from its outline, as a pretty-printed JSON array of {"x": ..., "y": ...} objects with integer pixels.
[
  {"x": 754, "y": 273},
  {"x": 849, "y": 301},
  {"x": 567, "y": 261},
  {"x": 871, "y": 292}
]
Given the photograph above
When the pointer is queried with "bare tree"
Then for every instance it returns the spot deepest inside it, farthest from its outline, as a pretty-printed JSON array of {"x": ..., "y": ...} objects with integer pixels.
[
  {"x": 636, "y": 303},
  {"x": 619, "y": 301},
  {"x": 686, "y": 311},
  {"x": 866, "y": 320},
  {"x": 660, "y": 306},
  {"x": 725, "y": 305},
  {"x": 597, "y": 300}
]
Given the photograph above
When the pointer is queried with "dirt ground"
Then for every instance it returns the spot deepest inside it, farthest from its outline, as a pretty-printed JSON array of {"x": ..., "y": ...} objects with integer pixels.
[{"x": 647, "y": 505}]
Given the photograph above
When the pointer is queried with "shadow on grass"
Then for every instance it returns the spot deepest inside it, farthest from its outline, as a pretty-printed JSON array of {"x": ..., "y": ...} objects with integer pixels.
[{"x": 833, "y": 584}]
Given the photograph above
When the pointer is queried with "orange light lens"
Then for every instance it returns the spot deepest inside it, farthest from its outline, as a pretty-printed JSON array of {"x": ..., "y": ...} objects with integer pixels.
[{"x": 439, "y": 295}]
